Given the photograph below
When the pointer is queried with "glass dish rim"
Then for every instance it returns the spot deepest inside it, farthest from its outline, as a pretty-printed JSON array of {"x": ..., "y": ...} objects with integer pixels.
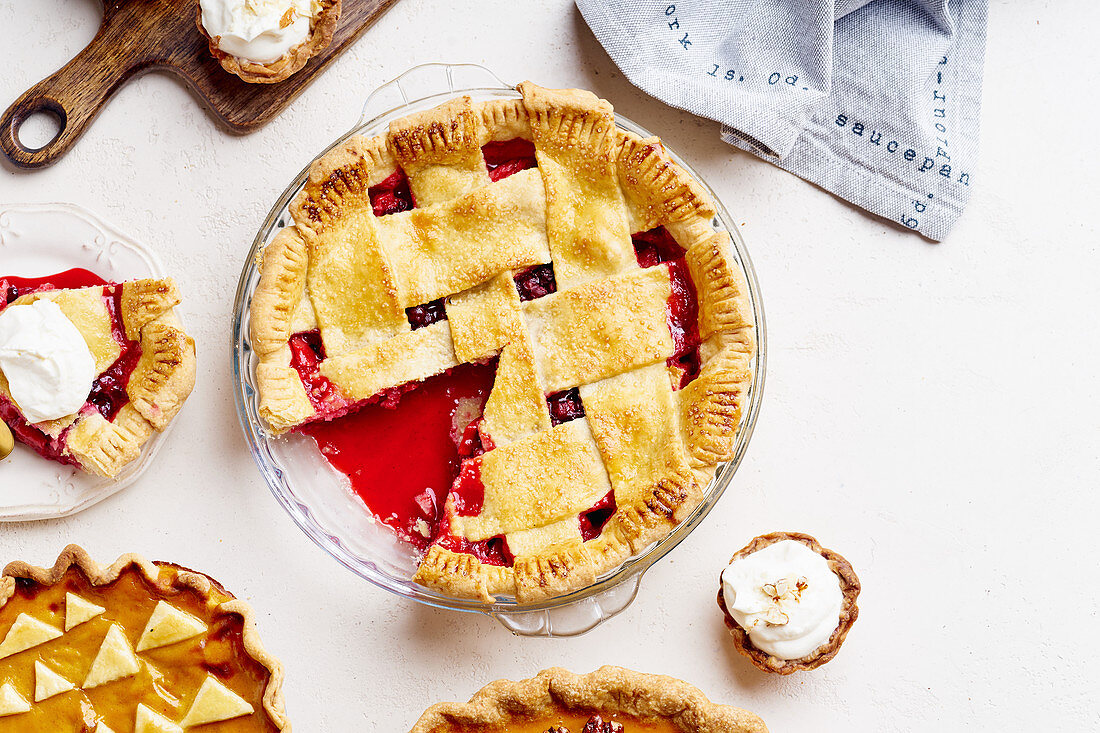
[{"x": 633, "y": 567}]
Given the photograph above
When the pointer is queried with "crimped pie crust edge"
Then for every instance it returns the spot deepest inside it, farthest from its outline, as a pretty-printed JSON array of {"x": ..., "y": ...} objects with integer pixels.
[
  {"x": 608, "y": 690},
  {"x": 97, "y": 575},
  {"x": 849, "y": 585}
]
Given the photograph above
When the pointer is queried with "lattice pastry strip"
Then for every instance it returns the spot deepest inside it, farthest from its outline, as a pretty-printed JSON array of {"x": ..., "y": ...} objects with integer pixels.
[
  {"x": 601, "y": 328},
  {"x": 443, "y": 249},
  {"x": 440, "y": 152},
  {"x": 636, "y": 425},
  {"x": 533, "y": 482},
  {"x": 586, "y": 215}
]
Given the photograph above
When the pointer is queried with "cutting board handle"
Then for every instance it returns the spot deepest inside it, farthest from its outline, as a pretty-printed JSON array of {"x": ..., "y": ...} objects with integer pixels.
[{"x": 74, "y": 95}]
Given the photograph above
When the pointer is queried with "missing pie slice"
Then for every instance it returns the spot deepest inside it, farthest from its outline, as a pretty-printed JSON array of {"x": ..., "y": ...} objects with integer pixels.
[
  {"x": 141, "y": 366},
  {"x": 136, "y": 646},
  {"x": 513, "y": 326},
  {"x": 609, "y": 700}
]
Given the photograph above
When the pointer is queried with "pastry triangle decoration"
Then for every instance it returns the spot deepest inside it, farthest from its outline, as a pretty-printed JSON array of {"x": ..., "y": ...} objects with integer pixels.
[
  {"x": 26, "y": 632},
  {"x": 115, "y": 660},
  {"x": 169, "y": 625},
  {"x": 78, "y": 610},
  {"x": 48, "y": 683},
  {"x": 102, "y": 727},
  {"x": 215, "y": 702},
  {"x": 148, "y": 720},
  {"x": 11, "y": 702}
]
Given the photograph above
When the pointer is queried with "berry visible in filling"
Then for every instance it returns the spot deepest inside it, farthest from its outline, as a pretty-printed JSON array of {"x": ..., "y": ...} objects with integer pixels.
[
  {"x": 535, "y": 282},
  {"x": 108, "y": 394},
  {"x": 403, "y": 462},
  {"x": 593, "y": 520},
  {"x": 683, "y": 321},
  {"x": 391, "y": 195},
  {"x": 565, "y": 406},
  {"x": 493, "y": 551},
  {"x": 505, "y": 158},
  {"x": 655, "y": 246},
  {"x": 307, "y": 351},
  {"x": 425, "y": 315},
  {"x": 597, "y": 724}
]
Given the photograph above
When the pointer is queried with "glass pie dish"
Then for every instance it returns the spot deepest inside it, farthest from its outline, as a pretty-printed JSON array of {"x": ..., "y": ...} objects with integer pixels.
[{"x": 320, "y": 500}]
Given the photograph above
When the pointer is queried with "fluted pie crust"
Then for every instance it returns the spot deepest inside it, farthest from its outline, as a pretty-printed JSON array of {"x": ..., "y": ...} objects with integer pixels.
[
  {"x": 321, "y": 31},
  {"x": 849, "y": 586},
  {"x": 661, "y": 704},
  {"x": 201, "y": 654},
  {"x": 648, "y": 435},
  {"x": 159, "y": 384}
]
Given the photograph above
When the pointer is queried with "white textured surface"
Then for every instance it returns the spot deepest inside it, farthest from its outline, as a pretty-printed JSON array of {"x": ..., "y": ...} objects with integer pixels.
[{"x": 930, "y": 412}]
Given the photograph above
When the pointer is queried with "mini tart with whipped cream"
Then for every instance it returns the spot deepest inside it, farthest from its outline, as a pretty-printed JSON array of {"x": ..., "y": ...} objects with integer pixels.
[
  {"x": 266, "y": 41},
  {"x": 609, "y": 700},
  {"x": 788, "y": 602},
  {"x": 136, "y": 646},
  {"x": 91, "y": 370}
]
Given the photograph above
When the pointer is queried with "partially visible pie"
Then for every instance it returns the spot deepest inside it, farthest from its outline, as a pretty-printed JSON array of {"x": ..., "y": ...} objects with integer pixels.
[
  {"x": 515, "y": 329},
  {"x": 144, "y": 367},
  {"x": 137, "y": 646},
  {"x": 609, "y": 700}
]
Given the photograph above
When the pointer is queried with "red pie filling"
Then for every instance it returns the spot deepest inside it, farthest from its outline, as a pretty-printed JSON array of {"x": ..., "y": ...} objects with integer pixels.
[
  {"x": 565, "y": 406},
  {"x": 403, "y": 462},
  {"x": 391, "y": 195},
  {"x": 535, "y": 282},
  {"x": 425, "y": 315},
  {"x": 503, "y": 159},
  {"x": 683, "y": 322},
  {"x": 593, "y": 520},
  {"x": 307, "y": 351},
  {"x": 655, "y": 246},
  {"x": 108, "y": 393}
]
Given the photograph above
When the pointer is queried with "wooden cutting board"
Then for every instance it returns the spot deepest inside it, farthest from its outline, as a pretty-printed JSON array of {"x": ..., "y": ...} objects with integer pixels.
[{"x": 138, "y": 36}]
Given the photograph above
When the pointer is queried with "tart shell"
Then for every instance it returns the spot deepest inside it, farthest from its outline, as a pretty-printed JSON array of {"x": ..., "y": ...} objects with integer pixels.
[
  {"x": 607, "y": 691},
  {"x": 849, "y": 586},
  {"x": 320, "y": 35},
  {"x": 97, "y": 575}
]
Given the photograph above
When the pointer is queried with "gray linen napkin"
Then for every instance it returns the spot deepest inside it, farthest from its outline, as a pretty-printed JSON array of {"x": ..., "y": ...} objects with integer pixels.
[{"x": 877, "y": 101}]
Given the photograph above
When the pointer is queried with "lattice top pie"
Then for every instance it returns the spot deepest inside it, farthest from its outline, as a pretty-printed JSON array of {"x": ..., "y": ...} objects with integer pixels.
[{"x": 560, "y": 281}]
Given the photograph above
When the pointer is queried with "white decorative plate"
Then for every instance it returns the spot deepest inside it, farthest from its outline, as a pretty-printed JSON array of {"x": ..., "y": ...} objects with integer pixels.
[{"x": 41, "y": 239}]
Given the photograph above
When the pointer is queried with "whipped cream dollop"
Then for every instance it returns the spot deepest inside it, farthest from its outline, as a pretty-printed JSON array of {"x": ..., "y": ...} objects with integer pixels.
[
  {"x": 258, "y": 30},
  {"x": 786, "y": 597},
  {"x": 49, "y": 369}
]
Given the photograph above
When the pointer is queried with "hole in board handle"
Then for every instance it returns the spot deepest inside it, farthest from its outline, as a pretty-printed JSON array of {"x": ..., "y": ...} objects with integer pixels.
[{"x": 39, "y": 127}]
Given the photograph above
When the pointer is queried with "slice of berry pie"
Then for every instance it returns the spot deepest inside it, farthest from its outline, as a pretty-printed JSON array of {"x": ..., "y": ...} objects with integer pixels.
[
  {"x": 609, "y": 700},
  {"x": 513, "y": 326},
  {"x": 90, "y": 370},
  {"x": 136, "y": 646}
]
